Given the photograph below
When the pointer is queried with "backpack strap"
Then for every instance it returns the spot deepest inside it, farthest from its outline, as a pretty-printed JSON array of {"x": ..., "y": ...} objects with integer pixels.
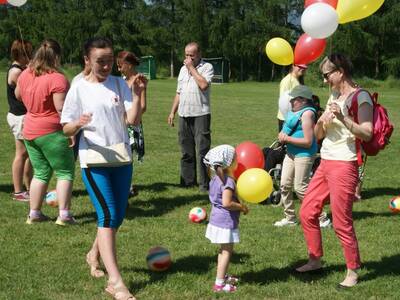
[
  {"x": 299, "y": 119},
  {"x": 353, "y": 112}
]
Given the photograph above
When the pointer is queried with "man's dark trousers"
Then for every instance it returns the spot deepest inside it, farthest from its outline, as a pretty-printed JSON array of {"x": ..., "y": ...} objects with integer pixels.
[{"x": 194, "y": 136}]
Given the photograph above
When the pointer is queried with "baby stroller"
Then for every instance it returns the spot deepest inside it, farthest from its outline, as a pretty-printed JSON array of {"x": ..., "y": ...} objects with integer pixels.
[{"x": 274, "y": 156}]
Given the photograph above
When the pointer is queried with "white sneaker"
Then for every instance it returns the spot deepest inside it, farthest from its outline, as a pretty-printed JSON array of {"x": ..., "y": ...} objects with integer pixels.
[
  {"x": 285, "y": 222},
  {"x": 325, "y": 223}
]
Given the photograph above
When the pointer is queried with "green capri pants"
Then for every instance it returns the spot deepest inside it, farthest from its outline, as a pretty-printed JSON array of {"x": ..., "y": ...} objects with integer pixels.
[{"x": 49, "y": 153}]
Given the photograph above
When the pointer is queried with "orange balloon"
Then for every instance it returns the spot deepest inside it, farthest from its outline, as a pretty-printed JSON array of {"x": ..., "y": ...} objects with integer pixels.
[{"x": 332, "y": 3}]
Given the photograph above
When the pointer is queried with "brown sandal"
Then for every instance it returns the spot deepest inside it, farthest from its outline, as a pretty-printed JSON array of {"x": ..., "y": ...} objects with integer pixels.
[
  {"x": 94, "y": 265},
  {"x": 119, "y": 291}
]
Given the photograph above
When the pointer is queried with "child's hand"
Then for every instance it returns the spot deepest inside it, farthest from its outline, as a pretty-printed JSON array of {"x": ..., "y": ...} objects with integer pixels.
[
  {"x": 84, "y": 119},
  {"x": 244, "y": 209}
]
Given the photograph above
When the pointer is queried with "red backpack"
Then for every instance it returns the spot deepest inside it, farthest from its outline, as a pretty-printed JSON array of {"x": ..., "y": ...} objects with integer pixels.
[{"x": 382, "y": 127}]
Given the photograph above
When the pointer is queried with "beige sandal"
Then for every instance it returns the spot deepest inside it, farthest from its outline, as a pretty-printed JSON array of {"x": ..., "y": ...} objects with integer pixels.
[
  {"x": 119, "y": 291},
  {"x": 94, "y": 265}
]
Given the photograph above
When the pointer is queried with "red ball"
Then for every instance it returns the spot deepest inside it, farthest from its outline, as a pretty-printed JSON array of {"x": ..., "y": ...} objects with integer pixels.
[
  {"x": 197, "y": 215},
  {"x": 394, "y": 204},
  {"x": 158, "y": 259},
  {"x": 248, "y": 156}
]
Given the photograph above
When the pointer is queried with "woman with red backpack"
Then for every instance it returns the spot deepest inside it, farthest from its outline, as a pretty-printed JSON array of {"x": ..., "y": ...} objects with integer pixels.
[{"x": 337, "y": 176}]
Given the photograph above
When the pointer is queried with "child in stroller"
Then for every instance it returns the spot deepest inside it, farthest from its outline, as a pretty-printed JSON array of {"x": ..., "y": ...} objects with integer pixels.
[{"x": 275, "y": 154}]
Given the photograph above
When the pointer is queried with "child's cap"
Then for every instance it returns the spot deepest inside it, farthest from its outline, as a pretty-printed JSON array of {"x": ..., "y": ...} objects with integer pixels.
[
  {"x": 220, "y": 156},
  {"x": 302, "y": 91}
]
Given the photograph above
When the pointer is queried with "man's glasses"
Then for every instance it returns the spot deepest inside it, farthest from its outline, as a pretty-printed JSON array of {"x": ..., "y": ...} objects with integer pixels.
[{"x": 327, "y": 74}]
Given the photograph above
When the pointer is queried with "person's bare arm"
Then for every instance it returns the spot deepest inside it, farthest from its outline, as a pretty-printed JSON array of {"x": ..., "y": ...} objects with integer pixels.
[
  {"x": 58, "y": 100},
  {"x": 363, "y": 130},
  {"x": 200, "y": 80},
  {"x": 174, "y": 108}
]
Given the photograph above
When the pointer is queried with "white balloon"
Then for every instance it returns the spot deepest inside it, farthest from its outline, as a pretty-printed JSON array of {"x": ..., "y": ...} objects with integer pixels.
[
  {"x": 17, "y": 2},
  {"x": 319, "y": 20},
  {"x": 284, "y": 104}
]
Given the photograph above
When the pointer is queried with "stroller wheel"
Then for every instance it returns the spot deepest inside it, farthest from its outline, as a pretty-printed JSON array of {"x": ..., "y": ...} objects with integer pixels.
[{"x": 275, "y": 198}]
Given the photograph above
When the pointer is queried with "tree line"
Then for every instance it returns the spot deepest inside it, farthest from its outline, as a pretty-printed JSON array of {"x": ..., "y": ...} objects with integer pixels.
[{"x": 236, "y": 29}]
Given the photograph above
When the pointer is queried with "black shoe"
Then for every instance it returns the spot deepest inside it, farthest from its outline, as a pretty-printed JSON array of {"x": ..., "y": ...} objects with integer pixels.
[
  {"x": 133, "y": 191},
  {"x": 187, "y": 186},
  {"x": 203, "y": 189}
]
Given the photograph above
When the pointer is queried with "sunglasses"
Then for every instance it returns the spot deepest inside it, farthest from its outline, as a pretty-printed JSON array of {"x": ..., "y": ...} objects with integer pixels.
[{"x": 327, "y": 74}]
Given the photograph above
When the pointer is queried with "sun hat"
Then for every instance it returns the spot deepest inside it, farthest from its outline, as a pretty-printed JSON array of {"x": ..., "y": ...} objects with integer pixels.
[
  {"x": 301, "y": 91},
  {"x": 220, "y": 156}
]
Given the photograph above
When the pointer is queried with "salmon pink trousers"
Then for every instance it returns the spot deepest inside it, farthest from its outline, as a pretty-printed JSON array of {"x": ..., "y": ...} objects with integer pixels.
[{"x": 335, "y": 182}]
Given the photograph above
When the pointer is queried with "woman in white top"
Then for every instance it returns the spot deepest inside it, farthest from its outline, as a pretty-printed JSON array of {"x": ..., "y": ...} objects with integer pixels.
[
  {"x": 337, "y": 176},
  {"x": 101, "y": 106}
]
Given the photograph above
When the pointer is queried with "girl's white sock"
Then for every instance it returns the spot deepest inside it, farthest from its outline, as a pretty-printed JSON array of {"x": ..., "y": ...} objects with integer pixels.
[
  {"x": 64, "y": 213},
  {"x": 219, "y": 281},
  {"x": 34, "y": 213}
]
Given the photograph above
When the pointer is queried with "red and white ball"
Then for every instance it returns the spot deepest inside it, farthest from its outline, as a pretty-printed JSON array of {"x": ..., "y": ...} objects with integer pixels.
[
  {"x": 394, "y": 204},
  {"x": 158, "y": 259},
  {"x": 51, "y": 198},
  {"x": 197, "y": 214}
]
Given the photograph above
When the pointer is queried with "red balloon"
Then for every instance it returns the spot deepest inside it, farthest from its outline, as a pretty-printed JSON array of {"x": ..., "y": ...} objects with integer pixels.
[
  {"x": 248, "y": 155},
  {"x": 308, "y": 49},
  {"x": 3, "y": 1},
  {"x": 332, "y": 3}
]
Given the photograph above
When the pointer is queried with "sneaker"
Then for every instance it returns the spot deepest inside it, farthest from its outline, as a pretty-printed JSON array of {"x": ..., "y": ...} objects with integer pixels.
[
  {"x": 228, "y": 288},
  {"x": 231, "y": 279},
  {"x": 133, "y": 191},
  {"x": 66, "y": 221},
  {"x": 41, "y": 218},
  {"x": 285, "y": 222},
  {"x": 21, "y": 197},
  {"x": 325, "y": 223}
]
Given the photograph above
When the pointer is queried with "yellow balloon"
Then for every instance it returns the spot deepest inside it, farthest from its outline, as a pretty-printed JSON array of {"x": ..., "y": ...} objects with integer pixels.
[
  {"x": 254, "y": 185},
  {"x": 352, "y": 10},
  {"x": 279, "y": 51}
]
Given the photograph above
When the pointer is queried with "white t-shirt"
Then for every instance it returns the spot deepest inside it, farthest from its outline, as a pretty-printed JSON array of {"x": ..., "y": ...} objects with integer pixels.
[
  {"x": 77, "y": 78},
  {"x": 339, "y": 142},
  {"x": 107, "y": 106}
]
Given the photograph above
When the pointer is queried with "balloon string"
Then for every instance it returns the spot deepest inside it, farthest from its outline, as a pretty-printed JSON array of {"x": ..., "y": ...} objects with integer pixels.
[
  {"x": 20, "y": 34},
  {"x": 330, "y": 52}
]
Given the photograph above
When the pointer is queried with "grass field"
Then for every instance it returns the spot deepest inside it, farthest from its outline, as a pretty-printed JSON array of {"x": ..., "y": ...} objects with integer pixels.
[{"x": 48, "y": 262}]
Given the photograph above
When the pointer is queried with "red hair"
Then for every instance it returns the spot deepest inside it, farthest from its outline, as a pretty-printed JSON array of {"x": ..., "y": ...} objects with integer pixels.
[{"x": 129, "y": 57}]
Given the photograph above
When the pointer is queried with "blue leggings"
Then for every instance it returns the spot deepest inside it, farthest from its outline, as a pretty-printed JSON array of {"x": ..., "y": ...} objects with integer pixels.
[{"x": 108, "y": 189}]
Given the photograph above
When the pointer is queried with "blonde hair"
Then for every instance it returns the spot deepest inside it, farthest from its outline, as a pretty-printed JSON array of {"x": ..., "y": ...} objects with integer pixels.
[{"x": 46, "y": 58}]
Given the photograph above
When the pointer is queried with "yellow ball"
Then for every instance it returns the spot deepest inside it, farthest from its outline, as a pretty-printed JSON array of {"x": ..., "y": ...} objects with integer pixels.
[{"x": 254, "y": 185}]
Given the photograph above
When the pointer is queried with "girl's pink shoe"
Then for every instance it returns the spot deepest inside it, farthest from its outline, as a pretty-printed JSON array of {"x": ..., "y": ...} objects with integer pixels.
[{"x": 228, "y": 288}]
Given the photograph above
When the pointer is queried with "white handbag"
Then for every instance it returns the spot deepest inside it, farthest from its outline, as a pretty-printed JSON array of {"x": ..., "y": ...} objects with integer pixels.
[{"x": 107, "y": 156}]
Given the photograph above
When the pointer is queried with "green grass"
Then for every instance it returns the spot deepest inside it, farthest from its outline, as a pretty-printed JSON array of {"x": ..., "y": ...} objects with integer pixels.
[{"x": 48, "y": 262}]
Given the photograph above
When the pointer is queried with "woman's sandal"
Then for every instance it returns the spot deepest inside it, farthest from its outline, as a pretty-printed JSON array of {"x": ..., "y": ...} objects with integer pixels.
[
  {"x": 94, "y": 265},
  {"x": 119, "y": 291}
]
